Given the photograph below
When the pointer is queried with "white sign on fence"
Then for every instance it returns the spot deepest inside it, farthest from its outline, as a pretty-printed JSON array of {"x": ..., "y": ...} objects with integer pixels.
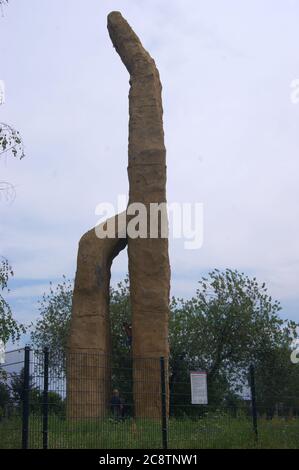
[
  {"x": 199, "y": 389},
  {"x": 2, "y": 352}
]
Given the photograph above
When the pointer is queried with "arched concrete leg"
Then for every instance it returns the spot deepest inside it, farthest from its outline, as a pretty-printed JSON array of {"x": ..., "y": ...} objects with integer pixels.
[
  {"x": 149, "y": 268},
  {"x": 88, "y": 367}
]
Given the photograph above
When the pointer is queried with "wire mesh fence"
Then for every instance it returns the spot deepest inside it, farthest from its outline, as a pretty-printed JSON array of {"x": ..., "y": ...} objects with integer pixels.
[
  {"x": 11, "y": 387},
  {"x": 86, "y": 400}
]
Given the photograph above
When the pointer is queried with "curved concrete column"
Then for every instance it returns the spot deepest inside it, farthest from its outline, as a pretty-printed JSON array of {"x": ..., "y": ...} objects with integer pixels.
[
  {"x": 88, "y": 365},
  {"x": 149, "y": 268},
  {"x": 88, "y": 373}
]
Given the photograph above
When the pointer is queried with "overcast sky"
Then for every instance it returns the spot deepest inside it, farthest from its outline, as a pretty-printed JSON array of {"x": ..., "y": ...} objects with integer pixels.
[{"x": 231, "y": 129}]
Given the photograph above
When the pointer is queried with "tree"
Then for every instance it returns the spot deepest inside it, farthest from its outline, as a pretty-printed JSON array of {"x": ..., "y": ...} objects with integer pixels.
[
  {"x": 4, "y": 398},
  {"x": 277, "y": 382},
  {"x": 230, "y": 323},
  {"x": 57, "y": 405},
  {"x": 120, "y": 313},
  {"x": 11, "y": 141},
  {"x": 121, "y": 360},
  {"x": 17, "y": 386},
  {"x": 9, "y": 327},
  {"x": 51, "y": 329},
  {"x": 17, "y": 392}
]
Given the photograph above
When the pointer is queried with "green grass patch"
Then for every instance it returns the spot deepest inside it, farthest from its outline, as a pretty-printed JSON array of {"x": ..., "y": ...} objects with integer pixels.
[{"x": 213, "y": 431}]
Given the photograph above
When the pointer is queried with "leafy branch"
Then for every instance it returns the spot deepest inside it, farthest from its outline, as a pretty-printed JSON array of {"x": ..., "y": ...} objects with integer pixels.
[
  {"x": 11, "y": 141},
  {"x": 9, "y": 327}
]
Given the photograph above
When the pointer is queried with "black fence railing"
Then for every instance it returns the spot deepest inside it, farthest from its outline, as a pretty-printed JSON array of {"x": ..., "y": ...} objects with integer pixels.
[{"x": 86, "y": 400}]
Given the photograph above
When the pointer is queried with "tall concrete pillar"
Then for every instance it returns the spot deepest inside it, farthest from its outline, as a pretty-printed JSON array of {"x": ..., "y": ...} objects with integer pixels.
[
  {"x": 88, "y": 365},
  {"x": 149, "y": 269}
]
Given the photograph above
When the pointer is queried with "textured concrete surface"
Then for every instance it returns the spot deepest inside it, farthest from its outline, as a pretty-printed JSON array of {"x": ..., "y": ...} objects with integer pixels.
[
  {"x": 148, "y": 258},
  {"x": 88, "y": 371},
  {"x": 149, "y": 268}
]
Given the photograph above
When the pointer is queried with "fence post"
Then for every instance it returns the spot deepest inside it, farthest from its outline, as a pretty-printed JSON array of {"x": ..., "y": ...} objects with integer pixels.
[
  {"x": 45, "y": 408},
  {"x": 25, "y": 399},
  {"x": 253, "y": 401},
  {"x": 163, "y": 404}
]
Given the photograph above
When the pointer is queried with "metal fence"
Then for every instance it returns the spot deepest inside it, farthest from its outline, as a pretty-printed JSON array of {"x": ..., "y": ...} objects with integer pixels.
[{"x": 85, "y": 400}]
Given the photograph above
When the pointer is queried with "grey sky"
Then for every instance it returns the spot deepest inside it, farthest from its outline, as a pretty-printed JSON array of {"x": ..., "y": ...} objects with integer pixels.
[{"x": 231, "y": 133}]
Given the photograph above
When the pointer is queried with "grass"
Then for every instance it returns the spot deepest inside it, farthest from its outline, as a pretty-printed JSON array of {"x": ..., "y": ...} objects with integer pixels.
[{"x": 216, "y": 430}]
